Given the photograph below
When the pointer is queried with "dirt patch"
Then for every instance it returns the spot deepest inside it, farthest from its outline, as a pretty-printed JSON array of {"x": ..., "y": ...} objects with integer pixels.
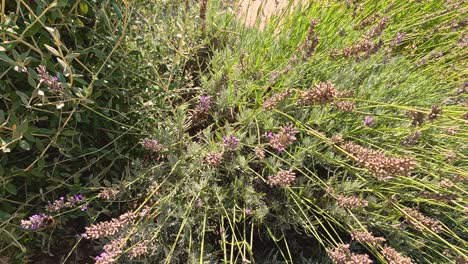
[{"x": 251, "y": 10}]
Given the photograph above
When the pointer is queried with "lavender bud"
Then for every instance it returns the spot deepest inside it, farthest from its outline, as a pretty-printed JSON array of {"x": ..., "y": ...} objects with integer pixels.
[
  {"x": 231, "y": 142},
  {"x": 369, "y": 121}
]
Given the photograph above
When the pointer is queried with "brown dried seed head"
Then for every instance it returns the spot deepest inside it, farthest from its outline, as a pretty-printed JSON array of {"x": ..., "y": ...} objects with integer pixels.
[
  {"x": 337, "y": 139},
  {"x": 214, "y": 159},
  {"x": 445, "y": 183},
  {"x": 419, "y": 221},
  {"x": 350, "y": 202},
  {"x": 450, "y": 156},
  {"x": 259, "y": 152},
  {"x": 346, "y": 106},
  {"x": 273, "y": 101},
  {"x": 434, "y": 113},
  {"x": 418, "y": 117},
  {"x": 108, "y": 194},
  {"x": 377, "y": 29},
  {"x": 366, "y": 237},
  {"x": 139, "y": 249},
  {"x": 203, "y": 7},
  {"x": 394, "y": 257},
  {"x": 368, "y": 21},
  {"x": 381, "y": 165},
  {"x": 108, "y": 228},
  {"x": 283, "y": 178},
  {"x": 322, "y": 93},
  {"x": 282, "y": 139},
  {"x": 342, "y": 255},
  {"x": 412, "y": 139}
]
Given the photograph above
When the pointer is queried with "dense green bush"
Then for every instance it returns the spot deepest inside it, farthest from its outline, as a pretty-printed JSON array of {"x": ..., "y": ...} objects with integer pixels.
[
  {"x": 336, "y": 134},
  {"x": 65, "y": 128}
]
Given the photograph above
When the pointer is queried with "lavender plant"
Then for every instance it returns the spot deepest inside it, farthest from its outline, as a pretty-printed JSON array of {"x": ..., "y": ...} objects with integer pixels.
[{"x": 248, "y": 154}]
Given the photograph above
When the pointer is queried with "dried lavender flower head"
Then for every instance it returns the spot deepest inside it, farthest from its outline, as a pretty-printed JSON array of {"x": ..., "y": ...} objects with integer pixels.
[
  {"x": 152, "y": 145},
  {"x": 108, "y": 194},
  {"x": 378, "y": 28},
  {"x": 140, "y": 249},
  {"x": 214, "y": 159},
  {"x": 231, "y": 142},
  {"x": 342, "y": 255},
  {"x": 337, "y": 139},
  {"x": 322, "y": 93},
  {"x": 61, "y": 203},
  {"x": 450, "y": 156},
  {"x": 350, "y": 202},
  {"x": 434, "y": 113},
  {"x": 346, "y": 106},
  {"x": 446, "y": 183},
  {"x": 259, "y": 152},
  {"x": 283, "y": 178},
  {"x": 285, "y": 137},
  {"x": 394, "y": 257},
  {"x": 418, "y": 117},
  {"x": 366, "y": 237},
  {"x": 412, "y": 139},
  {"x": 339, "y": 254},
  {"x": 273, "y": 101},
  {"x": 381, "y": 165},
  {"x": 420, "y": 222},
  {"x": 399, "y": 37}
]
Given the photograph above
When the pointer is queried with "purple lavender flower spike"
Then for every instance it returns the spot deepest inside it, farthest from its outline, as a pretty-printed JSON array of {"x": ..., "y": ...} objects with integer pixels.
[
  {"x": 205, "y": 103},
  {"x": 78, "y": 197},
  {"x": 52, "y": 82},
  {"x": 35, "y": 222},
  {"x": 231, "y": 142}
]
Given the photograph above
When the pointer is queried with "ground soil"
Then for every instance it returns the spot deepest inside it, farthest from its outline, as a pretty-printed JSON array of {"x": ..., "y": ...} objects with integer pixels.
[{"x": 250, "y": 11}]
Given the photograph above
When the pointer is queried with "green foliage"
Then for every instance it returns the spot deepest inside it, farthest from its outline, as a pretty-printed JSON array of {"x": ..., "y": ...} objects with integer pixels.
[{"x": 55, "y": 143}]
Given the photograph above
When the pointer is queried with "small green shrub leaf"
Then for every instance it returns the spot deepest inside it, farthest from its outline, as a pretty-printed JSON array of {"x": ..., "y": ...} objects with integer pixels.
[
  {"x": 117, "y": 10},
  {"x": 24, "y": 145},
  {"x": 11, "y": 188},
  {"x": 71, "y": 56},
  {"x": 84, "y": 8},
  {"x": 52, "y": 50},
  {"x": 24, "y": 97},
  {"x": 5, "y": 58},
  {"x": 4, "y": 216}
]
